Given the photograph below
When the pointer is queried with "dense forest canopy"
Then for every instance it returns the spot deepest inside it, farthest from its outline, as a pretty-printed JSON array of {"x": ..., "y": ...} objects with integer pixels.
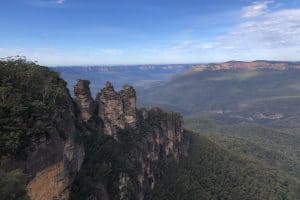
[{"x": 29, "y": 97}]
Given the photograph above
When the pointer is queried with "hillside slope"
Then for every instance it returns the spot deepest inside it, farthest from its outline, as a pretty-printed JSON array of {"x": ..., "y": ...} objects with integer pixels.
[
  {"x": 210, "y": 172},
  {"x": 268, "y": 146},
  {"x": 266, "y": 96},
  {"x": 252, "y": 111}
]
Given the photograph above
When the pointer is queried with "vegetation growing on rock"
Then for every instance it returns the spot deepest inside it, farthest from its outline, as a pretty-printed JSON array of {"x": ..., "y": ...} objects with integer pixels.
[{"x": 29, "y": 98}]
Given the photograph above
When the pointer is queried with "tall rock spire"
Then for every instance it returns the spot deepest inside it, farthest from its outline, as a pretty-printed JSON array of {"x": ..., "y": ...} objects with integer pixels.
[
  {"x": 110, "y": 109},
  {"x": 117, "y": 109},
  {"x": 84, "y": 99},
  {"x": 128, "y": 96}
]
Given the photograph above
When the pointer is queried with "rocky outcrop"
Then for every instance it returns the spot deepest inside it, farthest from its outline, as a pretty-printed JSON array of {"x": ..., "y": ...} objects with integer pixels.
[
  {"x": 84, "y": 100},
  {"x": 117, "y": 109},
  {"x": 111, "y": 109},
  {"x": 128, "y": 96},
  {"x": 163, "y": 142},
  {"x": 159, "y": 138}
]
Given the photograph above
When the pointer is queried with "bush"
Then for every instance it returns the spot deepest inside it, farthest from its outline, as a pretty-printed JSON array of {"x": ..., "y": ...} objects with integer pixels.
[{"x": 12, "y": 185}]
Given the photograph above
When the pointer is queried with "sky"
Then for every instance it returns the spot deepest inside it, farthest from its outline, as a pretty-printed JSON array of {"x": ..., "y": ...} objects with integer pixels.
[{"x": 113, "y": 32}]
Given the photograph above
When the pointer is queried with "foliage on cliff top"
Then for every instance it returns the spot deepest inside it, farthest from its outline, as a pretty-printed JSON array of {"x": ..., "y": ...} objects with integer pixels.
[{"x": 29, "y": 97}]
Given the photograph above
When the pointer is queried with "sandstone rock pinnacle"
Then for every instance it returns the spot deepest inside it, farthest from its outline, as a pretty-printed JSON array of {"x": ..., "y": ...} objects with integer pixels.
[
  {"x": 84, "y": 99},
  {"x": 128, "y": 96}
]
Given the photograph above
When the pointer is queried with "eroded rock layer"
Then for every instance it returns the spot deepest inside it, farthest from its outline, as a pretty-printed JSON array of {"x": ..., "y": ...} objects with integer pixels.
[
  {"x": 53, "y": 159},
  {"x": 147, "y": 140}
]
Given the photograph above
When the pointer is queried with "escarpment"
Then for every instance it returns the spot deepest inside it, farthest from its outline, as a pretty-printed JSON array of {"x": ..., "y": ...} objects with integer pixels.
[
  {"x": 81, "y": 148},
  {"x": 38, "y": 131}
]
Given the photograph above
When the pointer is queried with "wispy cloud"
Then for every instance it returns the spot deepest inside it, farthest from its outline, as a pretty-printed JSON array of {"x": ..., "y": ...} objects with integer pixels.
[
  {"x": 264, "y": 31},
  {"x": 256, "y": 9},
  {"x": 47, "y": 3},
  {"x": 184, "y": 45},
  {"x": 60, "y": 1},
  {"x": 277, "y": 29}
]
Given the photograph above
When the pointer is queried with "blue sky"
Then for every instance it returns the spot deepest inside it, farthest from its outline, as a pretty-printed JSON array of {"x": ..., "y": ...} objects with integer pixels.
[{"x": 90, "y": 32}]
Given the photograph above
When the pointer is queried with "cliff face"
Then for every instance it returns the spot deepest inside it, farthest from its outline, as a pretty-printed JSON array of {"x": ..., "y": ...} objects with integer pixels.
[
  {"x": 160, "y": 144},
  {"x": 53, "y": 163},
  {"x": 42, "y": 126},
  {"x": 147, "y": 140},
  {"x": 82, "y": 148}
]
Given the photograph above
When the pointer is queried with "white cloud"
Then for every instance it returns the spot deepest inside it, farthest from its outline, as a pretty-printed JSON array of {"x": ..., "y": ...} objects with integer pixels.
[
  {"x": 272, "y": 30},
  {"x": 184, "y": 45},
  {"x": 60, "y": 1},
  {"x": 256, "y": 9},
  {"x": 261, "y": 34},
  {"x": 46, "y": 3}
]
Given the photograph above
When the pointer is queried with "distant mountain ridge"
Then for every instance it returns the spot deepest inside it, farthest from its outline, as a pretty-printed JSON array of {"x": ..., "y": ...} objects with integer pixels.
[
  {"x": 258, "y": 64},
  {"x": 260, "y": 91},
  {"x": 148, "y": 75},
  {"x": 124, "y": 67},
  {"x": 136, "y": 75}
]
